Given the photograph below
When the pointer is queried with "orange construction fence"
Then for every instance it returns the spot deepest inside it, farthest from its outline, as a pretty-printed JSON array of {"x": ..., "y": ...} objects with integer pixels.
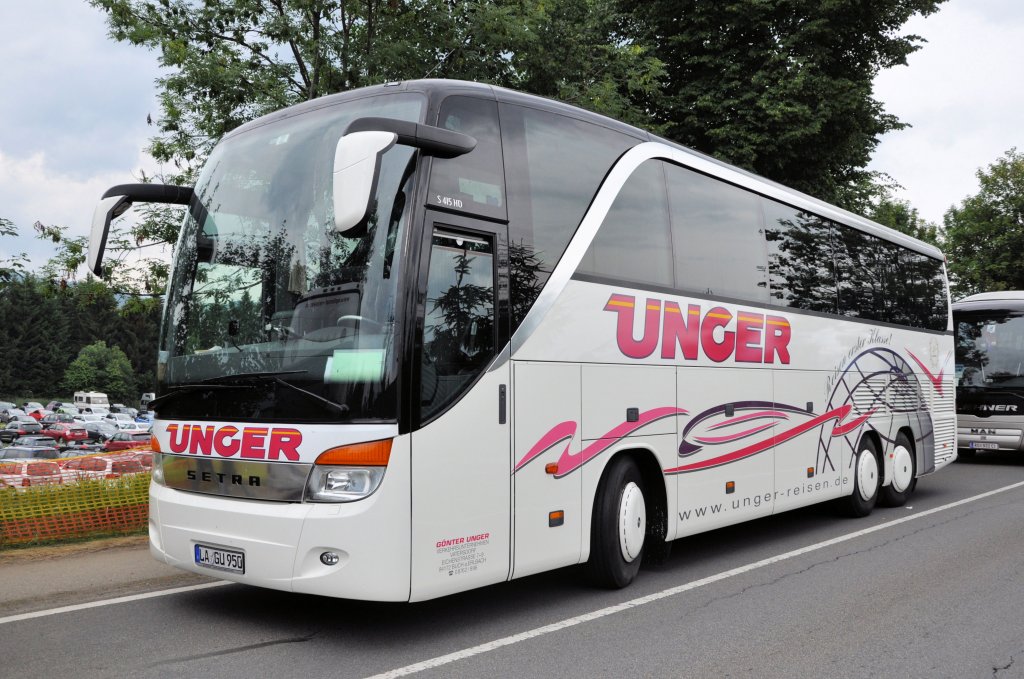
[{"x": 47, "y": 500}]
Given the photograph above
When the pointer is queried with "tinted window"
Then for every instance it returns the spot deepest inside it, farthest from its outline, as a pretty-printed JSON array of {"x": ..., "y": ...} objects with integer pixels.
[
  {"x": 555, "y": 166},
  {"x": 634, "y": 243},
  {"x": 924, "y": 300},
  {"x": 800, "y": 261},
  {"x": 863, "y": 263},
  {"x": 458, "y": 333},
  {"x": 717, "y": 236},
  {"x": 472, "y": 182},
  {"x": 989, "y": 348}
]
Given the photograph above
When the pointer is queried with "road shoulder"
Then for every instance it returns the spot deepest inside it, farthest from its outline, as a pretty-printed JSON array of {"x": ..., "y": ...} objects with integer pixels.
[{"x": 63, "y": 575}]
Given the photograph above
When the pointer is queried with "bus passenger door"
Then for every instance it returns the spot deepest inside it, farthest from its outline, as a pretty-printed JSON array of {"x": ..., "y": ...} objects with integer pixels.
[{"x": 461, "y": 449}]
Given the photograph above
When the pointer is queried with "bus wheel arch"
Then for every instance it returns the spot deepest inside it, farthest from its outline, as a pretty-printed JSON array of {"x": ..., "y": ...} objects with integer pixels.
[
  {"x": 901, "y": 471},
  {"x": 629, "y": 518}
]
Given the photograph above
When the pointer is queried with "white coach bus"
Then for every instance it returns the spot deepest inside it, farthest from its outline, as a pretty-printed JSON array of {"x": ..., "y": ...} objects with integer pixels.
[
  {"x": 434, "y": 335},
  {"x": 990, "y": 372}
]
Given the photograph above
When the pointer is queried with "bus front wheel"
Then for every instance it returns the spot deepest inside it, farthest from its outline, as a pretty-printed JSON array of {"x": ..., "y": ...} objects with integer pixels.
[
  {"x": 866, "y": 479},
  {"x": 618, "y": 526}
]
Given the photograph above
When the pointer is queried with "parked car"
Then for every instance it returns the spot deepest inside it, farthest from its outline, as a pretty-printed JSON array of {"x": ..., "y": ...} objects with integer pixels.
[
  {"x": 100, "y": 430},
  {"x": 8, "y": 414},
  {"x": 25, "y": 473},
  {"x": 119, "y": 417},
  {"x": 123, "y": 440},
  {"x": 29, "y": 406},
  {"x": 54, "y": 418},
  {"x": 16, "y": 428},
  {"x": 35, "y": 440},
  {"x": 102, "y": 466},
  {"x": 64, "y": 433},
  {"x": 80, "y": 448},
  {"x": 34, "y": 452},
  {"x": 87, "y": 417},
  {"x": 95, "y": 410},
  {"x": 53, "y": 405}
]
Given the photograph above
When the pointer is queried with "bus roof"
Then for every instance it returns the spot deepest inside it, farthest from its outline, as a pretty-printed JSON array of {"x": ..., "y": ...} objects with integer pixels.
[
  {"x": 1004, "y": 299},
  {"x": 436, "y": 89}
]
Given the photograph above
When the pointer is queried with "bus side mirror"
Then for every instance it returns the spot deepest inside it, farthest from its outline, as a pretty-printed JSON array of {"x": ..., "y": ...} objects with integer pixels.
[
  {"x": 357, "y": 161},
  {"x": 108, "y": 208},
  {"x": 116, "y": 201}
]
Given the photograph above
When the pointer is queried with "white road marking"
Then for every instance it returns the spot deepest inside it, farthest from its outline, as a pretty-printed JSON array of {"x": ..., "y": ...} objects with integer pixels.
[
  {"x": 110, "y": 602},
  {"x": 657, "y": 596}
]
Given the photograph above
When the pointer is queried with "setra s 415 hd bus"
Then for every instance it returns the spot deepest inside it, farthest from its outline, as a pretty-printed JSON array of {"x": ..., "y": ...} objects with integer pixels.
[{"x": 433, "y": 335}]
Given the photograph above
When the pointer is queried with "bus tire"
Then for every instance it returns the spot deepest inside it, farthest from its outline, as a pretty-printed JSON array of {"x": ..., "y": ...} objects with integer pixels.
[
  {"x": 904, "y": 474},
  {"x": 618, "y": 526},
  {"x": 866, "y": 479}
]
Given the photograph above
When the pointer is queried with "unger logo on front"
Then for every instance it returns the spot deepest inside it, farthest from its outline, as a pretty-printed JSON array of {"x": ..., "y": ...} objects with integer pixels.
[{"x": 249, "y": 443}]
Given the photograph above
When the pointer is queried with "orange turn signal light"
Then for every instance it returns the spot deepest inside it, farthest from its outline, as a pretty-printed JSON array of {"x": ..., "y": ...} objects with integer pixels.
[
  {"x": 154, "y": 444},
  {"x": 551, "y": 468},
  {"x": 370, "y": 454}
]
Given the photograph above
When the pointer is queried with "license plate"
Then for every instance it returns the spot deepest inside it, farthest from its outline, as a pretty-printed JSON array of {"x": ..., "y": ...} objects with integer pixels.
[
  {"x": 221, "y": 559},
  {"x": 984, "y": 444}
]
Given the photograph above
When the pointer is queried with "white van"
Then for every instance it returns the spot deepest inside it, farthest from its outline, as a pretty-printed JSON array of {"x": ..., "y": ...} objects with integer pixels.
[{"x": 88, "y": 399}]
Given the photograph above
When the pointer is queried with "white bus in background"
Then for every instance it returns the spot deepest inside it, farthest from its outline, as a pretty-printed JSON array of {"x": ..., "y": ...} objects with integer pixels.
[
  {"x": 990, "y": 372},
  {"x": 434, "y": 335}
]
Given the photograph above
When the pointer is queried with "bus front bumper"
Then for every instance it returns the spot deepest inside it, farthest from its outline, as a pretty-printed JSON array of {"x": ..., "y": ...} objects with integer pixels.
[{"x": 282, "y": 543}]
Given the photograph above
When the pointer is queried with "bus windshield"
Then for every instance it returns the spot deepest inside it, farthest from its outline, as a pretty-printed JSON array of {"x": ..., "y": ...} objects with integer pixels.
[
  {"x": 271, "y": 313},
  {"x": 990, "y": 349}
]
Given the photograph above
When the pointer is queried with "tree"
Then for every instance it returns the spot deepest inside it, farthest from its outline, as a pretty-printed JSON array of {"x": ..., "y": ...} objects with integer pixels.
[
  {"x": 780, "y": 87},
  {"x": 229, "y": 62},
  {"x": 233, "y": 61},
  {"x": 985, "y": 233},
  {"x": 102, "y": 368},
  {"x": 10, "y": 265},
  {"x": 902, "y": 216}
]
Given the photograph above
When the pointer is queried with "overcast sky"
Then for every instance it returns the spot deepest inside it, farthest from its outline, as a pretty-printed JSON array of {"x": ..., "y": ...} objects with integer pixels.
[{"x": 74, "y": 106}]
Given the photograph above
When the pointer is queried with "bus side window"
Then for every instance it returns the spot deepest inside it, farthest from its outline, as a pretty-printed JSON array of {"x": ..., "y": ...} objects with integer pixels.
[
  {"x": 473, "y": 182},
  {"x": 634, "y": 244},
  {"x": 717, "y": 237},
  {"x": 800, "y": 258},
  {"x": 555, "y": 165}
]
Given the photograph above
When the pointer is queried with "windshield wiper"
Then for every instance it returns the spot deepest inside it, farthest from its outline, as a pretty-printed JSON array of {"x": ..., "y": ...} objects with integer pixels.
[
  {"x": 254, "y": 377},
  {"x": 218, "y": 383},
  {"x": 248, "y": 376},
  {"x": 339, "y": 407},
  {"x": 188, "y": 388}
]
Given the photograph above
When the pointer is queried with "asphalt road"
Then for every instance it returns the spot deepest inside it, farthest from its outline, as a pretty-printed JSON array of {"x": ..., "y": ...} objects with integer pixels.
[{"x": 931, "y": 591}]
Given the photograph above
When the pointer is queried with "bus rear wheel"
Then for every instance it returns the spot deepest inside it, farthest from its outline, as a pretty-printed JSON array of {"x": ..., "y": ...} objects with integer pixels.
[
  {"x": 866, "y": 480},
  {"x": 618, "y": 526},
  {"x": 904, "y": 478}
]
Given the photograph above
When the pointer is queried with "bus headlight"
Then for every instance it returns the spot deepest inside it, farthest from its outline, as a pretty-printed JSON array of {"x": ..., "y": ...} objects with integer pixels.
[
  {"x": 343, "y": 484},
  {"x": 348, "y": 473},
  {"x": 157, "y": 470}
]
